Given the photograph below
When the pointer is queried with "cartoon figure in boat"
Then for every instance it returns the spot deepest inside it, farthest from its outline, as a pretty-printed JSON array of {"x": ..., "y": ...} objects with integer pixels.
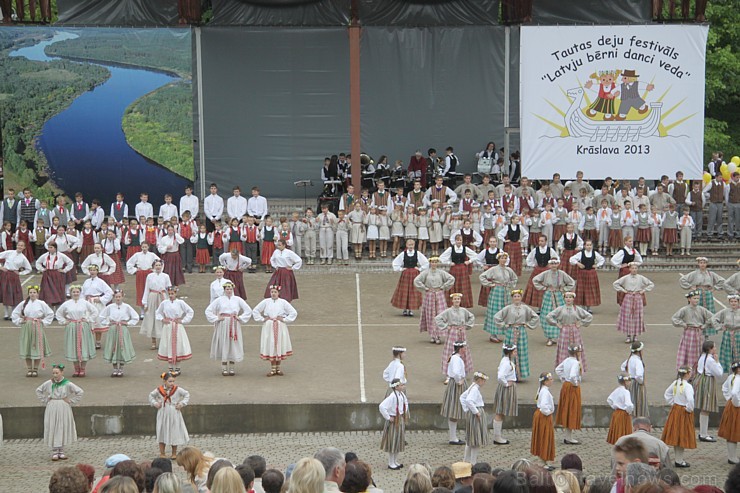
[
  {"x": 607, "y": 93},
  {"x": 630, "y": 90}
]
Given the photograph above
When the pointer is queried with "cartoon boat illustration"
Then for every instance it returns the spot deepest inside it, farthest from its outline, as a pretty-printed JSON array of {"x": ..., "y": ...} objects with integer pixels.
[{"x": 579, "y": 125}]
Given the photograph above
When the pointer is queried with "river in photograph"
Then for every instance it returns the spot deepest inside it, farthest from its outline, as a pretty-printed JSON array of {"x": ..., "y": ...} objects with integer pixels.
[{"x": 85, "y": 145}]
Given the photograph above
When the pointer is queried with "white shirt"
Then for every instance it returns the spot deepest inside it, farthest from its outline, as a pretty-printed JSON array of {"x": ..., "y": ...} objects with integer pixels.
[
  {"x": 217, "y": 288},
  {"x": 544, "y": 401},
  {"x": 213, "y": 206},
  {"x": 232, "y": 264},
  {"x": 111, "y": 246},
  {"x": 257, "y": 206},
  {"x": 169, "y": 244},
  {"x": 170, "y": 310},
  {"x": 446, "y": 257},
  {"x": 167, "y": 211},
  {"x": 506, "y": 372},
  {"x": 523, "y": 233},
  {"x": 96, "y": 217},
  {"x": 570, "y": 236},
  {"x": 189, "y": 203},
  {"x": 236, "y": 207},
  {"x": 225, "y": 305},
  {"x": 456, "y": 369},
  {"x": 395, "y": 369},
  {"x": 472, "y": 399},
  {"x": 16, "y": 262},
  {"x": 34, "y": 309},
  {"x": 72, "y": 311},
  {"x": 620, "y": 399},
  {"x": 269, "y": 309},
  {"x": 64, "y": 242},
  {"x": 106, "y": 265},
  {"x": 680, "y": 393},
  {"x": 396, "y": 403},
  {"x": 58, "y": 261},
  {"x": 709, "y": 366},
  {"x": 569, "y": 371},
  {"x": 144, "y": 209},
  {"x": 420, "y": 258},
  {"x": 618, "y": 257},
  {"x": 155, "y": 283},
  {"x": 123, "y": 314},
  {"x": 285, "y": 258},
  {"x": 124, "y": 208},
  {"x": 578, "y": 256},
  {"x": 731, "y": 390},
  {"x": 635, "y": 367},
  {"x": 477, "y": 238},
  {"x": 140, "y": 261},
  {"x": 95, "y": 287},
  {"x": 532, "y": 260}
]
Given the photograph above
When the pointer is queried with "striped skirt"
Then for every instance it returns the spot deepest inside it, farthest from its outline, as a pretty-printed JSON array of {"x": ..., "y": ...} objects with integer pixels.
[
  {"x": 498, "y": 298},
  {"x": 140, "y": 285},
  {"x": 118, "y": 346},
  {"x": 514, "y": 249},
  {"x": 670, "y": 236},
  {"x": 451, "y": 407},
  {"x": 706, "y": 299},
  {"x": 532, "y": 296},
  {"x": 569, "y": 407},
  {"x": 456, "y": 333},
  {"x": 729, "y": 425},
  {"x": 476, "y": 433},
  {"x": 620, "y": 425},
  {"x": 679, "y": 428},
  {"x": 79, "y": 342},
  {"x": 588, "y": 291},
  {"x": 461, "y": 273},
  {"x": 550, "y": 301},
  {"x": 543, "y": 437},
  {"x": 615, "y": 238},
  {"x": 505, "y": 401},
  {"x": 705, "y": 393},
  {"x": 52, "y": 287},
  {"x": 689, "y": 347},
  {"x": 33, "y": 342},
  {"x": 518, "y": 336},
  {"x": 638, "y": 394},
  {"x": 393, "y": 440},
  {"x": 432, "y": 305},
  {"x": 570, "y": 335},
  {"x": 729, "y": 350},
  {"x": 406, "y": 296},
  {"x": 631, "y": 320}
]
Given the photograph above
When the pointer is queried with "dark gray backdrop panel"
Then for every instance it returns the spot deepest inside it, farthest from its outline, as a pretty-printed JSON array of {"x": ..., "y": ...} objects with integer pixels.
[
  {"x": 280, "y": 13},
  {"x": 118, "y": 12},
  {"x": 275, "y": 102},
  {"x": 428, "y": 12},
  {"x": 591, "y": 11},
  {"x": 431, "y": 87}
]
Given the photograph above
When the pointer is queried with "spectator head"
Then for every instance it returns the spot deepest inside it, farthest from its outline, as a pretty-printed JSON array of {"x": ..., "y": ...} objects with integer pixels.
[
  {"x": 350, "y": 457},
  {"x": 630, "y": 450},
  {"x": 440, "y": 489},
  {"x": 638, "y": 473},
  {"x": 566, "y": 482},
  {"x": 357, "y": 477},
  {"x": 333, "y": 461},
  {"x": 600, "y": 484},
  {"x": 669, "y": 476},
  {"x": 496, "y": 471},
  {"x": 68, "y": 480},
  {"x": 215, "y": 467},
  {"x": 272, "y": 481},
  {"x": 119, "y": 484},
  {"x": 481, "y": 467},
  {"x": 308, "y": 476},
  {"x": 650, "y": 488},
  {"x": 193, "y": 461},
  {"x": 88, "y": 471},
  {"x": 707, "y": 488},
  {"x": 521, "y": 465},
  {"x": 571, "y": 461},
  {"x": 539, "y": 480},
  {"x": 132, "y": 470},
  {"x": 111, "y": 461},
  {"x": 443, "y": 477},
  {"x": 483, "y": 482},
  {"x": 417, "y": 482},
  {"x": 463, "y": 472},
  {"x": 257, "y": 463},
  {"x": 150, "y": 477},
  {"x": 641, "y": 423},
  {"x": 227, "y": 480},
  {"x": 247, "y": 475},
  {"x": 162, "y": 463},
  {"x": 168, "y": 483},
  {"x": 510, "y": 482}
]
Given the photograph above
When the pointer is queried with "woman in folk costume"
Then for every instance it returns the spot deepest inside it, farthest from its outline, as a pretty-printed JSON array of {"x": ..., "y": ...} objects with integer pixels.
[
  {"x": 538, "y": 258},
  {"x": 54, "y": 267},
  {"x": 461, "y": 258},
  {"x": 78, "y": 316},
  {"x": 505, "y": 401},
  {"x": 276, "y": 313},
  {"x": 16, "y": 264},
  {"x": 732, "y": 283},
  {"x": 514, "y": 319},
  {"x": 631, "y": 319},
  {"x": 119, "y": 350},
  {"x": 168, "y": 247},
  {"x": 620, "y": 401},
  {"x": 133, "y": 238},
  {"x": 704, "y": 282},
  {"x": 569, "y": 406},
  {"x": 588, "y": 292},
  {"x": 477, "y": 426},
  {"x": 634, "y": 366},
  {"x": 140, "y": 264},
  {"x": 112, "y": 247},
  {"x": 97, "y": 292},
  {"x": 26, "y": 235},
  {"x": 708, "y": 371},
  {"x": 65, "y": 244},
  {"x": 678, "y": 431},
  {"x": 395, "y": 369},
  {"x": 729, "y": 425},
  {"x": 58, "y": 394},
  {"x": 174, "y": 346},
  {"x": 543, "y": 430},
  {"x": 729, "y": 320},
  {"x": 568, "y": 245},
  {"x": 554, "y": 283},
  {"x": 106, "y": 266},
  {"x": 456, "y": 385},
  {"x": 515, "y": 238},
  {"x": 694, "y": 320},
  {"x": 31, "y": 316},
  {"x": 216, "y": 288},
  {"x": 395, "y": 411},
  {"x": 235, "y": 264},
  {"x": 227, "y": 313},
  {"x": 409, "y": 262},
  {"x": 285, "y": 262},
  {"x": 622, "y": 260},
  {"x": 499, "y": 280},
  {"x": 155, "y": 292},
  {"x": 569, "y": 319},
  {"x": 433, "y": 282},
  {"x": 169, "y": 399},
  {"x": 455, "y": 320},
  {"x": 487, "y": 258}
]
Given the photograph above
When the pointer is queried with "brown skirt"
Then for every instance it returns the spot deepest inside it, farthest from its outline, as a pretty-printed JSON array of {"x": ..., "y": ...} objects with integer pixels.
[
  {"x": 620, "y": 425},
  {"x": 543, "y": 437},
  {"x": 729, "y": 426},
  {"x": 679, "y": 428},
  {"x": 569, "y": 407}
]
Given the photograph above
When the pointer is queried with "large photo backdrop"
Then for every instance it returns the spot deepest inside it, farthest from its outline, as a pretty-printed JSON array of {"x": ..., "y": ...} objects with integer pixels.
[{"x": 622, "y": 100}]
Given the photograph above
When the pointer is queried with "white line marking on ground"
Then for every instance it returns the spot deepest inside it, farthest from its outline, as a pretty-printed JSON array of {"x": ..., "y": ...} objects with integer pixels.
[
  {"x": 386, "y": 325},
  {"x": 363, "y": 397},
  {"x": 715, "y": 298},
  {"x": 28, "y": 279}
]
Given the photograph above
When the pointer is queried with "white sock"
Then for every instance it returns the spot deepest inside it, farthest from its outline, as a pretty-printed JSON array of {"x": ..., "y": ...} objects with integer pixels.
[
  {"x": 474, "y": 454},
  {"x": 466, "y": 458},
  {"x": 391, "y": 459},
  {"x": 679, "y": 454},
  {"x": 453, "y": 430},
  {"x": 568, "y": 434},
  {"x": 732, "y": 450},
  {"x": 7, "y": 311},
  {"x": 703, "y": 424},
  {"x": 497, "y": 425}
]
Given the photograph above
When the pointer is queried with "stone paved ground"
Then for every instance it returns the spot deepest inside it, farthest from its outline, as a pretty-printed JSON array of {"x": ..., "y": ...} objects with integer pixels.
[{"x": 25, "y": 465}]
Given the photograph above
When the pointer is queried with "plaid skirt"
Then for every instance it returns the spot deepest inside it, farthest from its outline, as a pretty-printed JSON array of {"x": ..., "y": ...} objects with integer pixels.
[
  {"x": 591, "y": 234},
  {"x": 543, "y": 437},
  {"x": 679, "y": 428},
  {"x": 484, "y": 291},
  {"x": 706, "y": 299},
  {"x": 237, "y": 277},
  {"x": 729, "y": 350},
  {"x": 514, "y": 249},
  {"x": 456, "y": 333},
  {"x": 689, "y": 348},
  {"x": 532, "y": 296},
  {"x": 173, "y": 268},
  {"x": 505, "y": 400},
  {"x": 118, "y": 276},
  {"x": 638, "y": 394},
  {"x": 202, "y": 257},
  {"x": 432, "y": 305},
  {"x": 619, "y": 426},
  {"x": 729, "y": 425},
  {"x": 550, "y": 301},
  {"x": 393, "y": 440},
  {"x": 461, "y": 272},
  {"x": 451, "y": 407},
  {"x": 140, "y": 285},
  {"x": 570, "y": 335},
  {"x": 133, "y": 249},
  {"x": 286, "y": 279},
  {"x": 615, "y": 238},
  {"x": 86, "y": 251},
  {"x": 498, "y": 298},
  {"x": 569, "y": 407},
  {"x": 476, "y": 433},
  {"x": 643, "y": 235},
  {"x": 623, "y": 271},
  {"x": 588, "y": 291},
  {"x": 534, "y": 239},
  {"x": 52, "y": 287},
  {"x": 406, "y": 296},
  {"x": 12, "y": 292},
  {"x": 565, "y": 266},
  {"x": 487, "y": 235},
  {"x": 670, "y": 236},
  {"x": 558, "y": 231},
  {"x": 518, "y": 336},
  {"x": 631, "y": 315},
  {"x": 705, "y": 393}
]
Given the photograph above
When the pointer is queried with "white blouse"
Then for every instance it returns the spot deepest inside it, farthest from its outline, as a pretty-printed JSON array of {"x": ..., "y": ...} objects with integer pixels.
[
  {"x": 456, "y": 368},
  {"x": 114, "y": 314},
  {"x": 269, "y": 309},
  {"x": 171, "y": 310},
  {"x": 506, "y": 372},
  {"x": 569, "y": 371},
  {"x": 38, "y": 310},
  {"x": 635, "y": 367},
  {"x": 620, "y": 399},
  {"x": 59, "y": 262},
  {"x": 286, "y": 258},
  {"x": 545, "y": 403},
  {"x": 155, "y": 283},
  {"x": 395, "y": 370},
  {"x": 709, "y": 366},
  {"x": 393, "y": 405},
  {"x": 232, "y": 264},
  {"x": 472, "y": 399},
  {"x": 95, "y": 287},
  {"x": 73, "y": 311},
  {"x": 16, "y": 262},
  {"x": 225, "y": 305},
  {"x": 106, "y": 265},
  {"x": 217, "y": 288},
  {"x": 141, "y": 261},
  {"x": 169, "y": 244},
  {"x": 680, "y": 393},
  {"x": 731, "y": 390}
]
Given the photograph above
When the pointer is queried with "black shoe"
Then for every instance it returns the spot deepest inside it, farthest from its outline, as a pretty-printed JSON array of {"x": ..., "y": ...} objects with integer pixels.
[
  {"x": 459, "y": 442},
  {"x": 707, "y": 438},
  {"x": 730, "y": 461},
  {"x": 682, "y": 464},
  {"x": 6, "y": 318},
  {"x": 411, "y": 314},
  {"x": 395, "y": 468},
  {"x": 571, "y": 442},
  {"x": 548, "y": 467}
]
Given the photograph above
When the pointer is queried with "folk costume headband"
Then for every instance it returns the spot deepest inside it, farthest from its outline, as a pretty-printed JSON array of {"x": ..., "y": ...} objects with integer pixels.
[
  {"x": 569, "y": 294},
  {"x": 275, "y": 286},
  {"x": 543, "y": 378},
  {"x": 503, "y": 254},
  {"x": 735, "y": 365},
  {"x": 509, "y": 348},
  {"x": 228, "y": 284},
  {"x": 623, "y": 378},
  {"x": 692, "y": 293},
  {"x": 575, "y": 349},
  {"x": 459, "y": 344},
  {"x": 553, "y": 261},
  {"x": 75, "y": 286},
  {"x": 702, "y": 259},
  {"x": 394, "y": 385},
  {"x": 173, "y": 288},
  {"x": 399, "y": 349},
  {"x": 481, "y": 375},
  {"x": 456, "y": 295},
  {"x": 516, "y": 291},
  {"x": 733, "y": 297},
  {"x": 638, "y": 348},
  {"x": 35, "y": 286},
  {"x": 636, "y": 264}
]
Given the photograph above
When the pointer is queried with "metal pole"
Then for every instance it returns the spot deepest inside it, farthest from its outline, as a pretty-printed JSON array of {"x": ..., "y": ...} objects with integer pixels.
[
  {"x": 354, "y": 104},
  {"x": 507, "y": 61},
  {"x": 201, "y": 138}
]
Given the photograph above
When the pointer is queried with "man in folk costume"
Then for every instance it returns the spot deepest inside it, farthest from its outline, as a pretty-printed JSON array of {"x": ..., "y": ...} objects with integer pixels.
[
  {"x": 631, "y": 312},
  {"x": 346, "y": 201},
  {"x": 433, "y": 282},
  {"x": 381, "y": 197},
  {"x": 514, "y": 237},
  {"x": 715, "y": 192},
  {"x": 554, "y": 283},
  {"x": 514, "y": 319},
  {"x": 630, "y": 95},
  {"x": 588, "y": 292},
  {"x": 455, "y": 320},
  {"x": 538, "y": 258},
  {"x": 409, "y": 262},
  {"x": 440, "y": 192},
  {"x": 694, "y": 320},
  {"x": 622, "y": 258},
  {"x": 499, "y": 280},
  {"x": 416, "y": 197},
  {"x": 275, "y": 344}
]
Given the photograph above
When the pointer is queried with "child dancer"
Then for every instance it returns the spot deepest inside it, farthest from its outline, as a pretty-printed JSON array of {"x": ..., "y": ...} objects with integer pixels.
[
  {"x": 78, "y": 316},
  {"x": 616, "y": 238},
  {"x": 543, "y": 431},
  {"x": 174, "y": 346},
  {"x": 16, "y": 264},
  {"x": 487, "y": 258},
  {"x": 588, "y": 292},
  {"x": 505, "y": 400},
  {"x": 538, "y": 258},
  {"x": 514, "y": 319},
  {"x": 119, "y": 350},
  {"x": 356, "y": 217},
  {"x": 634, "y": 366},
  {"x": 477, "y": 426},
  {"x": 216, "y": 288},
  {"x": 169, "y": 399},
  {"x": 603, "y": 221},
  {"x": 456, "y": 321},
  {"x": 422, "y": 225},
  {"x": 633, "y": 287},
  {"x": 26, "y": 236},
  {"x": 54, "y": 267},
  {"x": 269, "y": 235},
  {"x": 384, "y": 230},
  {"x": 670, "y": 229},
  {"x": 644, "y": 224},
  {"x": 140, "y": 265},
  {"x": 395, "y": 369},
  {"x": 514, "y": 237},
  {"x": 708, "y": 370},
  {"x": 621, "y": 402},
  {"x": 499, "y": 279},
  {"x": 227, "y": 313},
  {"x": 703, "y": 281},
  {"x": 451, "y": 407},
  {"x": 169, "y": 247},
  {"x": 397, "y": 231},
  {"x": 569, "y": 319},
  {"x": 203, "y": 240},
  {"x": 309, "y": 237},
  {"x": 155, "y": 292},
  {"x": 342, "y": 228},
  {"x": 569, "y": 408},
  {"x": 437, "y": 217},
  {"x": 408, "y": 262},
  {"x": 284, "y": 262},
  {"x": 97, "y": 292},
  {"x": 234, "y": 265},
  {"x": 371, "y": 229},
  {"x": 132, "y": 239},
  {"x": 568, "y": 245},
  {"x": 686, "y": 227},
  {"x": 622, "y": 259},
  {"x": 276, "y": 313},
  {"x": 58, "y": 394},
  {"x": 694, "y": 320},
  {"x": 31, "y": 316},
  {"x": 729, "y": 320},
  {"x": 679, "y": 427},
  {"x": 729, "y": 426},
  {"x": 461, "y": 258},
  {"x": 433, "y": 282},
  {"x": 394, "y": 410},
  {"x": 554, "y": 283},
  {"x": 112, "y": 247}
]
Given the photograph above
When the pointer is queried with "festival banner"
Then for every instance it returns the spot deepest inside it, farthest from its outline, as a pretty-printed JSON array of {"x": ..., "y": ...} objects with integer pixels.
[{"x": 625, "y": 101}]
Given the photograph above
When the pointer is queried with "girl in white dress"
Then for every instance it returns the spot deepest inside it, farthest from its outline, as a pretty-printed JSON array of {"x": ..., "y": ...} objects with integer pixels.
[
  {"x": 174, "y": 346},
  {"x": 119, "y": 349},
  {"x": 477, "y": 429},
  {"x": 155, "y": 292},
  {"x": 31, "y": 316},
  {"x": 58, "y": 394},
  {"x": 97, "y": 292},
  {"x": 275, "y": 345},
  {"x": 217, "y": 286},
  {"x": 227, "y": 313},
  {"x": 78, "y": 316},
  {"x": 169, "y": 399},
  {"x": 395, "y": 411},
  {"x": 373, "y": 234}
]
